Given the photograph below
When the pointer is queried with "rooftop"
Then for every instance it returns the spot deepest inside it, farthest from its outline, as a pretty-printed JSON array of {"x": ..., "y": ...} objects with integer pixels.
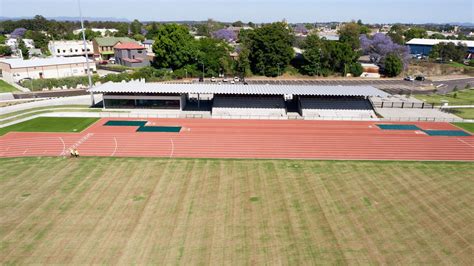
[
  {"x": 111, "y": 41},
  {"x": 437, "y": 41},
  {"x": 128, "y": 46},
  {"x": 38, "y": 62},
  {"x": 160, "y": 88}
]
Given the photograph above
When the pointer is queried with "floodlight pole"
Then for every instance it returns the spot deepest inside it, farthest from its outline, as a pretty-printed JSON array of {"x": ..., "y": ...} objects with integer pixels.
[{"x": 86, "y": 53}]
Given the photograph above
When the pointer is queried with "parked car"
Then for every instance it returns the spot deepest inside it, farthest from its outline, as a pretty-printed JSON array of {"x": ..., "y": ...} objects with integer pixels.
[
  {"x": 236, "y": 79},
  {"x": 225, "y": 80},
  {"x": 201, "y": 79},
  {"x": 420, "y": 78},
  {"x": 232, "y": 82},
  {"x": 213, "y": 79},
  {"x": 409, "y": 78}
]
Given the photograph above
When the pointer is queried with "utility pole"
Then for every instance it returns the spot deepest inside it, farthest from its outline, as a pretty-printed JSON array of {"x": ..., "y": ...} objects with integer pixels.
[{"x": 86, "y": 53}]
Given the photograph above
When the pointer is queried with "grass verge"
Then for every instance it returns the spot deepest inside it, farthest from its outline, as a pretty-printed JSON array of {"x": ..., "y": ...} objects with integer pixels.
[
  {"x": 51, "y": 124},
  {"x": 5, "y": 87},
  {"x": 466, "y": 126}
]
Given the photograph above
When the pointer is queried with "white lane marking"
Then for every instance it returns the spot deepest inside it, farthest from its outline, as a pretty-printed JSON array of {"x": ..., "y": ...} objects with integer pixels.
[
  {"x": 25, "y": 151},
  {"x": 115, "y": 149},
  {"x": 172, "y": 148},
  {"x": 64, "y": 147},
  {"x": 465, "y": 143}
]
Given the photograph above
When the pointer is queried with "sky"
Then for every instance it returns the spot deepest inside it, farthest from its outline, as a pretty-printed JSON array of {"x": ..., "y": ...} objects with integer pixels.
[{"x": 294, "y": 11}]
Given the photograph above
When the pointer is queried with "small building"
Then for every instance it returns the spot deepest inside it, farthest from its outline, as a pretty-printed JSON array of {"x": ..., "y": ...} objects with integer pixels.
[
  {"x": 104, "y": 46},
  {"x": 70, "y": 48},
  {"x": 424, "y": 46},
  {"x": 15, "y": 69},
  {"x": 148, "y": 44},
  {"x": 131, "y": 54}
]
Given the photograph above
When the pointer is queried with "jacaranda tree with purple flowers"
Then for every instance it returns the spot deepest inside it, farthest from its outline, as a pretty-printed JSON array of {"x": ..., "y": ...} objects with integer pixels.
[
  {"x": 225, "y": 34},
  {"x": 380, "y": 46}
]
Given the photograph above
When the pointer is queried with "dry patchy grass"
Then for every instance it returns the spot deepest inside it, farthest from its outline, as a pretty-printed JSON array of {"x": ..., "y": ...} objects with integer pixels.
[{"x": 159, "y": 211}]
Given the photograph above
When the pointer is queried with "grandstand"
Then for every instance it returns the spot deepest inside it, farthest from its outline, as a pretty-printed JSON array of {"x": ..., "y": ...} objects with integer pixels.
[
  {"x": 336, "y": 107},
  {"x": 228, "y": 105},
  {"x": 241, "y": 101}
]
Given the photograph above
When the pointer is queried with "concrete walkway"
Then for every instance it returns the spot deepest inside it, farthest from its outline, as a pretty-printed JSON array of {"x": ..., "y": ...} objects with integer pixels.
[{"x": 75, "y": 100}]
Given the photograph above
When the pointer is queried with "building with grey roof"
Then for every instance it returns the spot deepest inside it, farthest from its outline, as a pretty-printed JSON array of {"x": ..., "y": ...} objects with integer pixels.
[{"x": 16, "y": 69}]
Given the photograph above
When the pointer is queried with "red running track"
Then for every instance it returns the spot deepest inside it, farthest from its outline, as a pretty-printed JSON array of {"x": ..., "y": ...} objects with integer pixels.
[{"x": 284, "y": 139}]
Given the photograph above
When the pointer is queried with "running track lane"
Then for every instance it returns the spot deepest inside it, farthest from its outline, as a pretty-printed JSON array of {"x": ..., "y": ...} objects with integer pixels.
[{"x": 211, "y": 138}]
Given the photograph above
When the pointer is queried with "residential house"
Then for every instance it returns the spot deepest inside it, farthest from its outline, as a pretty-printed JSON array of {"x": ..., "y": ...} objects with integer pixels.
[
  {"x": 70, "y": 48},
  {"x": 131, "y": 54},
  {"x": 15, "y": 69},
  {"x": 104, "y": 46}
]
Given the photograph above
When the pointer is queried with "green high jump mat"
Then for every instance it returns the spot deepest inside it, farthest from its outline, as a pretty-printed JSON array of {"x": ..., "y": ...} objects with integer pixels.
[
  {"x": 448, "y": 133},
  {"x": 398, "y": 127},
  {"x": 125, "y": 123}
]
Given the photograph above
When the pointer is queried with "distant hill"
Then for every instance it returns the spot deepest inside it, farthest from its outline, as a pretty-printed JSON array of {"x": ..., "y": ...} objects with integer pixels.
[{"x": 72, "y": 19}]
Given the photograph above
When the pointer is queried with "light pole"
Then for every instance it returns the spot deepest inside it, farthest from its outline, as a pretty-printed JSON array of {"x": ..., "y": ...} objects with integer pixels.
[{"x": 85, "y": 52}]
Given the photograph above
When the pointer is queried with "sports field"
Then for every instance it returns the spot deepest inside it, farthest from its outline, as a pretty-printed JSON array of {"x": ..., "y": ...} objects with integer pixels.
[
  {"x": 51, "y": 124},
  {"x": 197, "y": 211}
]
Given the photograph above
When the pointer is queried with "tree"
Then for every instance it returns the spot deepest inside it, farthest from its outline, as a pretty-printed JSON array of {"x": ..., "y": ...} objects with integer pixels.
[
  {"x": 139, "y": 37},
  {"x": 437, "y": 36},
  {"x": 152, "y": 31},
  {"x": 393, "y": 65},
  {"x": 396, "y": 34},
  {"x": 356, "y": 69},
  {"x": 449, "y": 51},
  {"x": 415, "y": 33},
  {"x": 3, "y": 39},
  {"x": 349, "y": 33},
  {"x": 313, "y": 64},
  {"x": 380, "y": 46},
  {"x": 339, "y": 56},
  {"x": 225, "y": 34},
  {"x": 5, "y": 50},
  {"x": 214, "y": 54},
  {"x": 270, "y": 49},
  {"x": 40, "y": 40},
  {"x": 238, "y": 24},
  {"x": 135, "y": 27},
  {"x": 243, "y": 63},
  {"x": 24, "y": 50},
  {"x": 174, "y": 47}
]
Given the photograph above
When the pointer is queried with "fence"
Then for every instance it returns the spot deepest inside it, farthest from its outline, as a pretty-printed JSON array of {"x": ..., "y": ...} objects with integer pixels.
[{"x": 411, "y": 105}]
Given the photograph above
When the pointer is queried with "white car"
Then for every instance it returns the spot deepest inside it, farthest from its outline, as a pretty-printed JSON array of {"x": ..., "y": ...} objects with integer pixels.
[
  {"x": 224, "y": 80},
  {"x": 236, "y": 79},
  {"x": 213, "y": 79},
  {"x": 232, "y": 82}
]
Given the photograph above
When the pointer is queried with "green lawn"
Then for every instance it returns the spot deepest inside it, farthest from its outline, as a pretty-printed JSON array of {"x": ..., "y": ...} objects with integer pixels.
[
  {"x": 466, "y": 113},
  {"x": 5, "y": 87},
  {"x": 463, "y": 97},
  {"x": 147, "y": 211},
  {"x": 467, "y": 126},
  {"x": 51, "y": 124}
]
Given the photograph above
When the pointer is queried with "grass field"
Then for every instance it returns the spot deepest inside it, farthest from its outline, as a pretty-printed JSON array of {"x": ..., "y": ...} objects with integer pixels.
[
  {"x": 51, "y": 124},
  {"x": 225, "y": 212},
  {"x": 5, "y": 87},
  {"x": 463, "y": 97},
  {"x": 467, "y": 126},
  {"x": 466, "y": 113}
]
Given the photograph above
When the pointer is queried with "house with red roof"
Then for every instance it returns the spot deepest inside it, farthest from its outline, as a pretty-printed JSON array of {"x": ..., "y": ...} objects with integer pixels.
[{"x": 131, "y": 54}]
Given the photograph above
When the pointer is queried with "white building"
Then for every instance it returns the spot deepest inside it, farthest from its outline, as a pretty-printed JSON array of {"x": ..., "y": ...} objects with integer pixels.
[
  {"x": 13, "y": 43},
  {"x": 14, "y": 69},
  {"x": 70, "y": 48},
  {"x": 103, "y": 32}
]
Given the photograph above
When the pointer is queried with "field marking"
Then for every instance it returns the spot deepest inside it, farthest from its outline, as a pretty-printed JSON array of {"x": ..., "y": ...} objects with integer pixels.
[
  {"x": 172, "y": 148},
  {"x": 115, "y": 149},
  {"x": 64, "y": 147},
  {"x": 465, "y": 143},
  {"x": 25, "y": 151}
]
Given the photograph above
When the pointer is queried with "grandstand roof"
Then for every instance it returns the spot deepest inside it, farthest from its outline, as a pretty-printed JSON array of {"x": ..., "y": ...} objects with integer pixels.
[{"x": 308, "y": 90}]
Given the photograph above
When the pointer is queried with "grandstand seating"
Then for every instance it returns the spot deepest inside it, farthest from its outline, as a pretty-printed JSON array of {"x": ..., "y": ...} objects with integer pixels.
[
  {"x": 248, "y": 106},
  {"x": 340, "y": 107}
]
